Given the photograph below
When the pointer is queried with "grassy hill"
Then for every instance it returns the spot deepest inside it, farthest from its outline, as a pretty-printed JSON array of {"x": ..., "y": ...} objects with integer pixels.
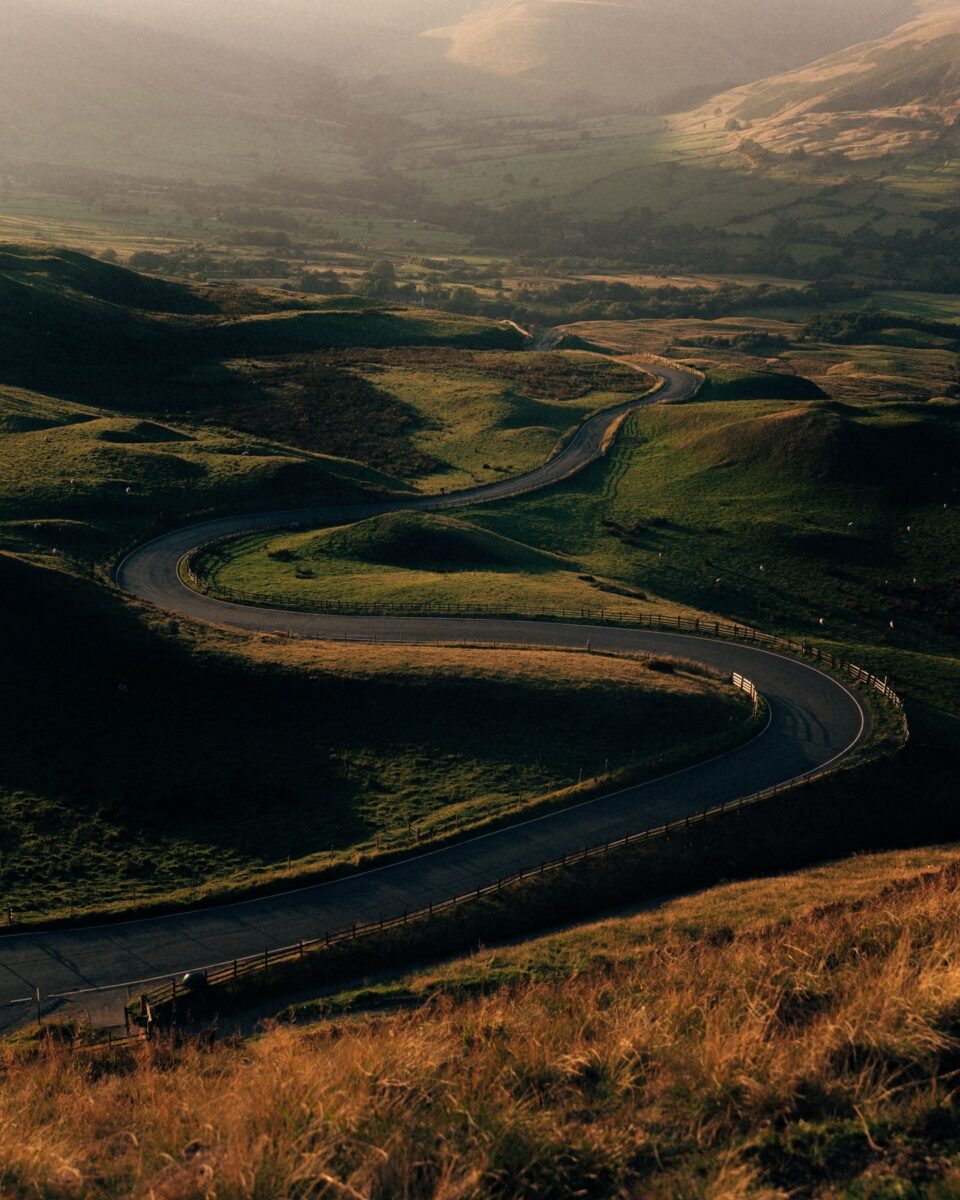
[
  {"x": 412, "y": 558},
  {"x": 782, "y": 514},
  {"x": 108, "y": 337},
  {"x": 434, "y": 397},
  {"x": 422, "y": 540},
  {"x": 82, "y": 483},
  {"x": 728, "y": 384},
  {"x": 380, "y": 44},
  {"x": 817, "y": 1059},
  {"x": 235, "y": 90},
  {"x": 72, "y": 311}
]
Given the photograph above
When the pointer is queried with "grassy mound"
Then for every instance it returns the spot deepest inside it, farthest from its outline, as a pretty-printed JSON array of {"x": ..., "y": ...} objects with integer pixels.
[
  {"x": 840, "y": 443},
  {"x": 140, "y": 433},
  {"x": 68, "y": 466},
  {"x": 571, "y": 341},
  {"x": 730, "y": 383},
  {"x": 427, "y": 540},
  {"x": 373, "y": 327},
  {"x": 808, "y": 443},
  {"x": 67, "y": 272},
  {"x": 445, "y": 416},
  {"x": 412, "y": 559}
]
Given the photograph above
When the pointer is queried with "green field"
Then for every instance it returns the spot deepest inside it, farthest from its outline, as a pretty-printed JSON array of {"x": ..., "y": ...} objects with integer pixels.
[
  {"x": 819, "y": 518},
  {"x": 141, "y": 418},
  {"x": 81, "y": 483},
  {"x": 689, "y": 505}
]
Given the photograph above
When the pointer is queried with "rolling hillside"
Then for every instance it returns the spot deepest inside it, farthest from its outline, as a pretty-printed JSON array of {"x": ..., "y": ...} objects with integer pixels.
[
  {"x": 220, "y": 91},
  {"x": 900, "y": 93},
  {"x": 108, "y": 334},
  {"x": 816, "y": 1059},
  {"x": 337, "y": 33}
]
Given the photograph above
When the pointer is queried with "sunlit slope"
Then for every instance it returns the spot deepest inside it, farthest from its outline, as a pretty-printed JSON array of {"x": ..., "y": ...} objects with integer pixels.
[
  {"x": 790, "y": 1037},
  {"x": 899, "y": 93},
  {"x": 222, "y": 89},
  {"x": 645, "y": 50}
]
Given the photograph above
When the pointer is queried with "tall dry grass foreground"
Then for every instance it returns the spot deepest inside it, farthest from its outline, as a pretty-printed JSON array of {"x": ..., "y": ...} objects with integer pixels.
[{"x": 818, "y": 1058}]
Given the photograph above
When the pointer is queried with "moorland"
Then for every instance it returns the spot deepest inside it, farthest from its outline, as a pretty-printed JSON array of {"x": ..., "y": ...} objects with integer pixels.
[{"x": 290, "y": 265}]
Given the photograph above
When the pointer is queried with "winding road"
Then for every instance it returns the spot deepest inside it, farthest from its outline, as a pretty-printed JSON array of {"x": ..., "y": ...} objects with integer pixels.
[{"x": 814, "y": 721}]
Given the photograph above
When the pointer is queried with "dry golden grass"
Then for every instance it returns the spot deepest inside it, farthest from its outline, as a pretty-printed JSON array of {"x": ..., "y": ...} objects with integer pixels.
[{"x": 813, "y": 1058}]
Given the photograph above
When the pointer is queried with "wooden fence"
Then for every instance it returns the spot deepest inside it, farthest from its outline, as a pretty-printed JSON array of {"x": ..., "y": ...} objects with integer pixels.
[
  {"x": 746, "y": 686},
  {"x": 161, "y": 998},
  {"x": 167, "y": 995},
  {"x": 164, "y": 998}
]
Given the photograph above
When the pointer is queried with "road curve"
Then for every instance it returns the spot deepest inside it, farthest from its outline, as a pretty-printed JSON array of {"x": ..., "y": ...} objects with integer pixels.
[{"x": 814, "y": 721}]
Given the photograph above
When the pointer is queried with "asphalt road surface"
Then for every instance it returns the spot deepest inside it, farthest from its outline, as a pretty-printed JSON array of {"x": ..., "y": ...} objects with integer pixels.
[{"x": 814, "y": 721}]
